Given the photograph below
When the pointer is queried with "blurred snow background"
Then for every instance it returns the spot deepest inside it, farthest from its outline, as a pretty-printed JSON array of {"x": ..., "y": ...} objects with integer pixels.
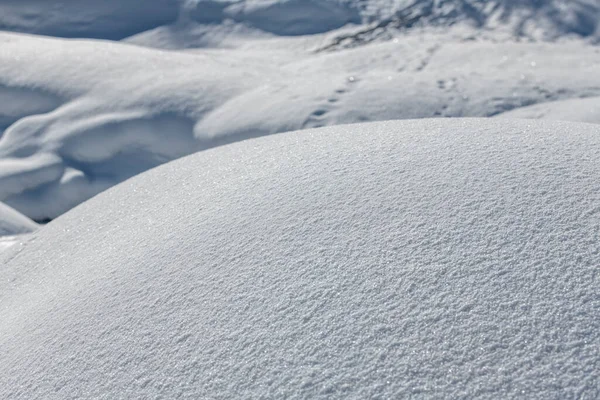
[
  {"x": 437, "y": 258},
  {"x": 169, "y": 78}
]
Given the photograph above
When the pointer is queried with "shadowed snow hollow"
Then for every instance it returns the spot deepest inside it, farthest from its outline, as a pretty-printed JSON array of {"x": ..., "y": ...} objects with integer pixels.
[
  {"x": 578, "y": 110},
  {"x": 432, "y": 258},
  {"x": 14, "y": 223},
  {"x": 106, "y": 19}
]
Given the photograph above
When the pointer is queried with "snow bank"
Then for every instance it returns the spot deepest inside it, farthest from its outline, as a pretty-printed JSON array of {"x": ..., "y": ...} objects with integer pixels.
[
  {"x": 579, "y": 110},
  {"x": 14, "y": 223},
  {"x": 14, "y": 227},
  {"x": 293, "y": 17},
  {"x": 116, "y": 110},
  {"x": 90, "y": 114},
  {"x": 431, "y": 258}
]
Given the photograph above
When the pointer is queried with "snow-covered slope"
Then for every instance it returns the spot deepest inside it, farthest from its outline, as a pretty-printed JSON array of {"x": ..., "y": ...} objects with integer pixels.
[
  {"x": 13, "y": 226},
  {"x": 100, "y": 113},
  {"x": 14, "y": 223},
  {"x": 580, "y": 110},
  {"x": 432, "y": 258},
  {"x": 115, "y": 19},
  {"x": 107, "y": 19},
  {"x": 86, "y": 115}
]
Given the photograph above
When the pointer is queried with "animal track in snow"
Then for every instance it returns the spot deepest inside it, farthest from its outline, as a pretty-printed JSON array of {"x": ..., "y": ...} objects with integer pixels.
[{"x": 319, "y": 117}]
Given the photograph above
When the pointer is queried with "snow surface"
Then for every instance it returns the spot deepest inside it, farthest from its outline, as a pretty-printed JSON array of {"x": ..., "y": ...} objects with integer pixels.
[
  {"x": 578, "y": 110},
  {"x": 107, "y": 19},
  {"x": 88, "y": 114},
  {"x": 430, "y": 259},
  {"x": 14, "y": 223},
  {"x": 116, "y": 19}
]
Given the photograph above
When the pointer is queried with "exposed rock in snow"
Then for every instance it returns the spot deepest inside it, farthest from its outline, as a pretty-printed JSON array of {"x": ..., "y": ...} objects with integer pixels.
[{"x": 432, "y": 258}]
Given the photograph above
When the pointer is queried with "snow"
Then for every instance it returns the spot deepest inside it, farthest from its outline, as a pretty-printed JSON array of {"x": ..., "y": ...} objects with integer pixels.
[
  {"x": 117, "y": 19},
  {"x": 89, "y": 114},
  {"x": 581, "y": 110},
  {"x": 14, "y": 223},
  {"x": 107, "y": 19},
  {"x": 14, "y": 227},
  {"x": 450, "y": 258}
]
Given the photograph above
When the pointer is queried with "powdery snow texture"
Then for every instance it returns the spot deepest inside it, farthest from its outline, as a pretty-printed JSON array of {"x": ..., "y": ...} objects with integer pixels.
[{"x": 432, "y": 258}]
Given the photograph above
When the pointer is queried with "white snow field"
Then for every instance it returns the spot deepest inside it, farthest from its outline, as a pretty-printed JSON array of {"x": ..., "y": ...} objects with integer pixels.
[
  {"x": 429, "y": 258},
  {"x": 83, "y": 115},
  {"x": 579, "y": 110}
]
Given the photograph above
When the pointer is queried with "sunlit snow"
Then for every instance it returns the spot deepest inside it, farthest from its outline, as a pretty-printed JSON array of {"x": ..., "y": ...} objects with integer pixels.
[
  {"x": 431, "y": 258},
  {"x": 300, "y": 250}
]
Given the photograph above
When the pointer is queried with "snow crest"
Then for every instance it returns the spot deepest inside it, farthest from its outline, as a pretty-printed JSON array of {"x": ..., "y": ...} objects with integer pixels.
[
  {"x": 432, "y": 258},
  {"x": 117, "y": 19},
  {"x": 14, "y": 223}
]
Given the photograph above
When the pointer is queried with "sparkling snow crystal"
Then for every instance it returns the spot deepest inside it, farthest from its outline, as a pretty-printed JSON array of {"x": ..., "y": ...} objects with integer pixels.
[{"x": 413, "y": 259}]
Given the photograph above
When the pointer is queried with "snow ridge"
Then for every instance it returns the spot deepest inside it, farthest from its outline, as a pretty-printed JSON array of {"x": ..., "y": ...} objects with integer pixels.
[
  {"x": 14, "y": 223},
  {"x": 431, "y": 258}
]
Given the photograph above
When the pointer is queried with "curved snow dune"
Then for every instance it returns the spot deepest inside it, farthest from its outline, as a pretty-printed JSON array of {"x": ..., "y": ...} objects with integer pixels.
[
  {"x": 99, "y": 112},
  {"x": 430, "y": 258},
  {"x": 14, "y": 223},
  {"x": 579, "y": 110}
]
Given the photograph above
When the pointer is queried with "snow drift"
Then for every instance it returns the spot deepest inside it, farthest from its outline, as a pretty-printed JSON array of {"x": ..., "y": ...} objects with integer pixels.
[
  {"x": 14, "y": 223},
  {"x": 106, "y": 19},
  {"x": 87, "y": 115},
  {"x": 431, "y": 258},
  {"x": 578, "y": 110},
  {"x": 116, "y": 19}
]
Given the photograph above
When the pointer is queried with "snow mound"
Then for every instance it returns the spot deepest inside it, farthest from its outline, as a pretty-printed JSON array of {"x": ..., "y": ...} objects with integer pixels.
[
  {"x": 89, "y": 114},
  {"x": 578, "y": 110},
  {"x": 431, "y": 258},
  {"x": 14, "y": 223},
  {"x": 536, "y": 19}
]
